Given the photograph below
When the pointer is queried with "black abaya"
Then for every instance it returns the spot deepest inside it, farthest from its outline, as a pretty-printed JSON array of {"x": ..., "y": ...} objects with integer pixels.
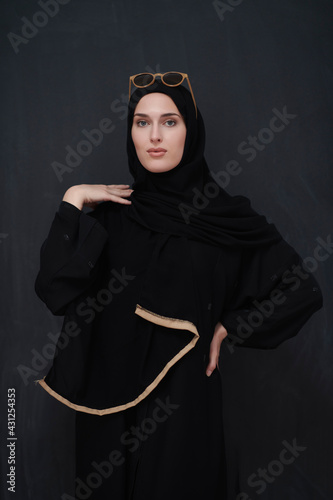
[
  {"x": 142, "y": 290},
  {"x": 184, "y": 452},
  {"x": 113, "y": 366}
]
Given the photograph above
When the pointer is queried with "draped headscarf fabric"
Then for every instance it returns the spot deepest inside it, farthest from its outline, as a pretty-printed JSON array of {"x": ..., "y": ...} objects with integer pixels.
[{"x": 167, "y": 202}]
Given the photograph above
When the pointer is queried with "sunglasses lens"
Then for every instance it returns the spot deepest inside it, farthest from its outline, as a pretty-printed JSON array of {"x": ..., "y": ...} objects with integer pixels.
[
  {"x": 143, "y": 79},
  {"x": 172, "y": 78}
]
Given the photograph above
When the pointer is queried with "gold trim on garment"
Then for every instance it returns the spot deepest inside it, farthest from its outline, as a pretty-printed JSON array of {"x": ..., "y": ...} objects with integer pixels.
[{"x": 178, "y": 324}]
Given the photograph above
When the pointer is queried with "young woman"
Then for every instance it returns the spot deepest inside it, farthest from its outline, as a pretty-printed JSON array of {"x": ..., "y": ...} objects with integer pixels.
[{"x": 150, "y": 282}]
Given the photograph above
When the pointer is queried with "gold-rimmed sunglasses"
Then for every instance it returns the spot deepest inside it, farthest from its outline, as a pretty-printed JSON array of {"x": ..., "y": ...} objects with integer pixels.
[{"x": 171, "y": 79}]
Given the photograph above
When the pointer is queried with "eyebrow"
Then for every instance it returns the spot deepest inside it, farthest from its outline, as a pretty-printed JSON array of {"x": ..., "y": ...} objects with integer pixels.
[{"x": 165, "y": 114}]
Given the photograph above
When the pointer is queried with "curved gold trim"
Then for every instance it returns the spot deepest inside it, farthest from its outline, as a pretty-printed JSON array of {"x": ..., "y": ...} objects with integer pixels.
[{"x": 175, "y": 323}]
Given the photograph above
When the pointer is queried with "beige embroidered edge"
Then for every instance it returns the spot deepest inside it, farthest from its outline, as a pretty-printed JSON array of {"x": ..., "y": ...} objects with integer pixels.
[{"x": 175, "y": 323}]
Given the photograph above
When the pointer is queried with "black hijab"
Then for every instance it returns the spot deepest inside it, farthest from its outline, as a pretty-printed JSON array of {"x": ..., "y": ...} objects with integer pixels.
[{"x": 169, "y": 202}]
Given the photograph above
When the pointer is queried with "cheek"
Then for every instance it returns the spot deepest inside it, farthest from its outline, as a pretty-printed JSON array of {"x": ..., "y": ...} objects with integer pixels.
[
  {"x": 136, "y": 140},
  {"x": 181, "y": 143}
]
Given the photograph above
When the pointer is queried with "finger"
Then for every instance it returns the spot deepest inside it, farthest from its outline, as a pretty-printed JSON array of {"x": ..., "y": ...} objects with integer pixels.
[
  {"x": 115, "y": 194},
  {"x": 214, "y": 355},
  {"x": 212, "y": 364},
  {"x": 210, "y": 369},
  {"x": 128, "y": 192},
  {"x": 118, "y": 199},
  {"x": 121, "y": 192}
]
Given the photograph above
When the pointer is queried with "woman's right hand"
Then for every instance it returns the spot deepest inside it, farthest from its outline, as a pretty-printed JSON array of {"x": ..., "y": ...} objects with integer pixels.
[{"x": 90, "y": 194}]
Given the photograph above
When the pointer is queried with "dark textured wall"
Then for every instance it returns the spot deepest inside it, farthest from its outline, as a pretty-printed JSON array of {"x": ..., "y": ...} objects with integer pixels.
[{"x": 62, "y": 74}]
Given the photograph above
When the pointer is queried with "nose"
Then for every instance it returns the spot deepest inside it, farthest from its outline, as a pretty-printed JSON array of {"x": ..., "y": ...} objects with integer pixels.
[{"x": 155, "y": 133}]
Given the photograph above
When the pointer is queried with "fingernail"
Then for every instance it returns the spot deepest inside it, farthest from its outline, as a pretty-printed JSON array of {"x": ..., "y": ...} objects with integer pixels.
[{"x": 208, "y": 373}]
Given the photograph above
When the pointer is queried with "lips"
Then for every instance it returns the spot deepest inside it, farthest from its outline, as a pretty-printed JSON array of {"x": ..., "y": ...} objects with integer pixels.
[{"x": 156, "y": 152}]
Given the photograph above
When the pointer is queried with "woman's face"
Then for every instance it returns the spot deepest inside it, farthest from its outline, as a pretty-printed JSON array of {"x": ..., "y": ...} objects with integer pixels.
[{"x": 158, "y": 125}]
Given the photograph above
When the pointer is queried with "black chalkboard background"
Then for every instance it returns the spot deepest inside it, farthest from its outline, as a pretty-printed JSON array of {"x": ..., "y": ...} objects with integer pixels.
[{"x": 64, "y": 69}]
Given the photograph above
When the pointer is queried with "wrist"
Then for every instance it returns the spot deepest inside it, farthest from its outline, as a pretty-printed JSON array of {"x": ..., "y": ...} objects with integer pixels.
[{"x": 74, "y": 197}]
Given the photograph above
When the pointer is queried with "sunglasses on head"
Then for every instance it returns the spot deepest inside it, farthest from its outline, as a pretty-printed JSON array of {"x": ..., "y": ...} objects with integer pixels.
[{"x": 171, "y": 79}]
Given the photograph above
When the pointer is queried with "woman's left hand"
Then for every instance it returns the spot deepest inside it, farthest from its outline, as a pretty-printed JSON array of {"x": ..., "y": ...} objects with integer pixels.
[{"x": 214, "y": 353}]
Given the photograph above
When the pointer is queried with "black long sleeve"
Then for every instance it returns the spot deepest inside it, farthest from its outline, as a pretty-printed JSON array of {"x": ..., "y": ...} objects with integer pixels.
[
  {"x": 273, "y": 299},
  {"x": 69, "y": 257}
]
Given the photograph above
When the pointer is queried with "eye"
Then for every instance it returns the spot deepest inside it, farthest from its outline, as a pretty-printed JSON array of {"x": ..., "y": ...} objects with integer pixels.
[
  {"x": 140, "y": 122},
  {"x": 171, "y": 123}
]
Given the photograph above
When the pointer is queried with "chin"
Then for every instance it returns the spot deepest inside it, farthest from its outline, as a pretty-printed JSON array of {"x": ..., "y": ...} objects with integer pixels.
[{"x": 158, "y": 168}]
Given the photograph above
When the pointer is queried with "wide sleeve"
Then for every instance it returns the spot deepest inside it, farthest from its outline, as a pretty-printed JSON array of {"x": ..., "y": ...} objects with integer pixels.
[
  {"x": 272, "y": 299},
  {"x": 70, "y": 257}
]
